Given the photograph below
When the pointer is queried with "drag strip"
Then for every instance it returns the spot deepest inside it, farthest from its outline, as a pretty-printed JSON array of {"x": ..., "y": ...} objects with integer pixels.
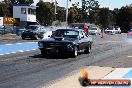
[{"x": 31, "y": 70}]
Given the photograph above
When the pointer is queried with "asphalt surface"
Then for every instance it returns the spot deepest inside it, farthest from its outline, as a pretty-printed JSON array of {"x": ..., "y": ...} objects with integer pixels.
[{"x": 30, "y": 70}]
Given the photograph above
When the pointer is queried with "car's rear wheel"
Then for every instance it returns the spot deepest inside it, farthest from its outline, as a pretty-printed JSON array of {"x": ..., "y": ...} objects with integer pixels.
[
  {"x": 87, "y": 49},
  {"x": 36, "y": 37},
  {"x": 75, "y": 52}
]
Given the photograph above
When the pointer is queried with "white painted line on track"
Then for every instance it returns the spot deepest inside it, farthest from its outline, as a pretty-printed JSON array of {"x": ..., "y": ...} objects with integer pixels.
[
  {"x": 7, "y": 53},
  {"x": 27, "y": 50},
  {"x": 129, "y": 56},
  {"x": 25, "y": 42},
  {"x": 20, "y": 51},
  {"x": 19, "y": 43},
  {"x": 13, "y": 52},
  {"x": 34, "y": 49},
  {"x": 9, "y": 44}
]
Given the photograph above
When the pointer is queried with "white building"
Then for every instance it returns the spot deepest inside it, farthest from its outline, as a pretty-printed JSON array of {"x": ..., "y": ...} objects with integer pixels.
[
  {"x": 26, "y": 13},
  {"x": 1, "y": 21}
]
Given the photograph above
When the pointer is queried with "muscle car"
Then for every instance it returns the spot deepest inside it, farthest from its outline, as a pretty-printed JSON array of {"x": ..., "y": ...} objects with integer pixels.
[{"x": 66, "y": 41}]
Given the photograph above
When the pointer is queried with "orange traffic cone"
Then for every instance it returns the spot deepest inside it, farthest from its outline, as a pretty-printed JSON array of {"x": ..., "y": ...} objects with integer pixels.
[{"x": 84, "y": 73}]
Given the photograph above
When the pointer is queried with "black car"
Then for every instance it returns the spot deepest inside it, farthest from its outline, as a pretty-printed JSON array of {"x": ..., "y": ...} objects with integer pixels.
[
  {"x": 33, "y": 32},
  {"x": 66, "y": 41},
  {"x": 5, "y": 30}
]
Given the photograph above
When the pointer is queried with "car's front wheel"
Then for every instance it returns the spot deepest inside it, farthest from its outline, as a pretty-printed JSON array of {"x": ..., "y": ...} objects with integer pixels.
[
  {"x": 75, "y": 52},
  {"x": 87, "y": 49},
  {"x": 36, "y": 37},
  {"x": 23, "y": 38}
]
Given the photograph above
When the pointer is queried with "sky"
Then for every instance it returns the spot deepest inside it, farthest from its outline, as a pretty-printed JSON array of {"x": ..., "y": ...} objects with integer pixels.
[{"x": 103, "y": 3}]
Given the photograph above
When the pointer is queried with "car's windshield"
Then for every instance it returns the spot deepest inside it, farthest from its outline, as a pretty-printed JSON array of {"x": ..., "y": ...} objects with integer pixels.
[{"x": 66, "y": 33}]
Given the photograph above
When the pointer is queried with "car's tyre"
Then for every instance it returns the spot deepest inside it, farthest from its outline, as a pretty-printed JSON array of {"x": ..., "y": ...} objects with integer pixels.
[
  {"x": 87, "y": 49},
  {"x": 23, "y": 38},
  {"x": 43, "y": 53},
  {"x": 36, "y": 37},
  {"x": 75, "y": 52}
]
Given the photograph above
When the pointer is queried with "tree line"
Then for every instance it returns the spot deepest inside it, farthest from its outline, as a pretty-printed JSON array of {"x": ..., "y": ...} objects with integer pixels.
[{"x": 89, "y": 12}]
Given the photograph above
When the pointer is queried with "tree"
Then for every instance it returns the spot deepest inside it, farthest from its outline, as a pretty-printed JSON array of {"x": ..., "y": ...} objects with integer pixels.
[
  {"x": 9, "y": 4},
  {"x": 105, "y": 17},
  {"x": 45, "y": 12},
  {"x": 94, "y": 15},
  {"x": 74, "y": 14},
  {"x": 61, "y": 13},
  {"x": 115, "y": 12},
  {"x": 4, "y": 10},
  {"x": 87, "y": 6},
  {"x": 124, "y": 18},
  {"x": 19, "y": 1}
]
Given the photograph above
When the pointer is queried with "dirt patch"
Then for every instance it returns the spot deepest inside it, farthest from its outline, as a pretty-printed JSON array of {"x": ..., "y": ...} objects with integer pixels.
[{"x": 8, "y": 36}]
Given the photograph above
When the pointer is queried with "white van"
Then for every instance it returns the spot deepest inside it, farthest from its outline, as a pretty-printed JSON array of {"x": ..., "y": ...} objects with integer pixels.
[
  {"x": 94, "y": 31},
  {"x": 113, "y": 30}
]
